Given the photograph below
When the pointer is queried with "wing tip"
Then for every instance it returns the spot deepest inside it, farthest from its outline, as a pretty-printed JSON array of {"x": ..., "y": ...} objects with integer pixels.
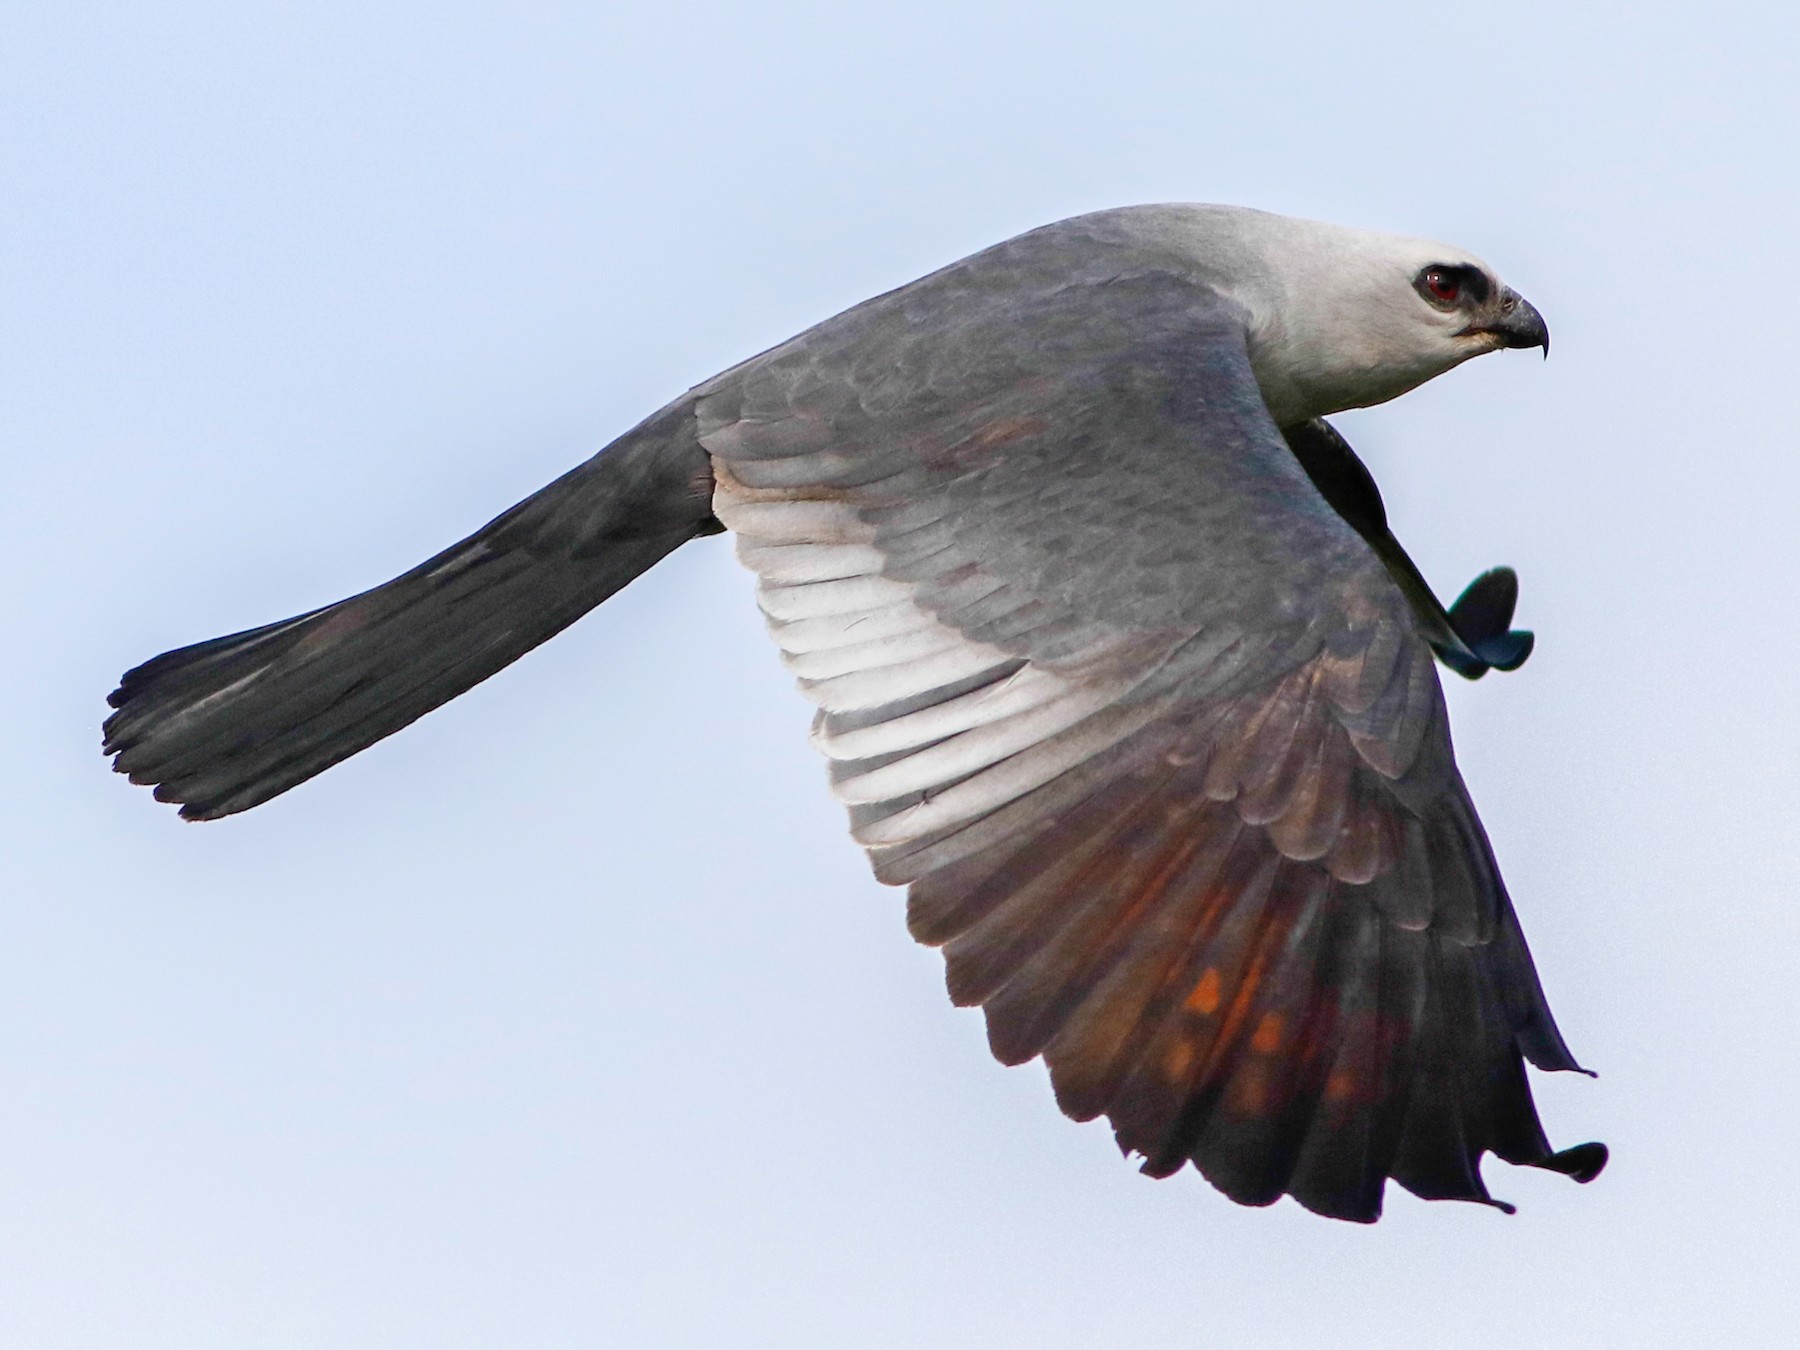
[{"x": 1581, "y": 1162}]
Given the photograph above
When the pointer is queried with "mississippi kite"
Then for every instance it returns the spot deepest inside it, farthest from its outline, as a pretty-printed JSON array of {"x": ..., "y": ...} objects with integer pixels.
[{"x": 1118, "y": 669}]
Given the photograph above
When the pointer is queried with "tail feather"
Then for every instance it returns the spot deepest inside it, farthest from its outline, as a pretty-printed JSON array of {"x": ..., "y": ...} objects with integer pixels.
[{"x": 224, "y": 725}]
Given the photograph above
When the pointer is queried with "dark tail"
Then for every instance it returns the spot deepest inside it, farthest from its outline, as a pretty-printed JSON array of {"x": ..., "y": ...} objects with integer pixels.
[{"x": 225, "y": 725}]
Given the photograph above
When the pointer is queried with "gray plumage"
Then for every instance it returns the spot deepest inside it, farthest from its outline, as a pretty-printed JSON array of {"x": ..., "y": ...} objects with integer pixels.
[{"x": 1118, "y": 668}]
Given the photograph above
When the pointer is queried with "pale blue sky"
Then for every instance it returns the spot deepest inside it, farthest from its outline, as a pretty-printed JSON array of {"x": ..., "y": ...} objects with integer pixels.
[{"x": 570, "y": 1017}]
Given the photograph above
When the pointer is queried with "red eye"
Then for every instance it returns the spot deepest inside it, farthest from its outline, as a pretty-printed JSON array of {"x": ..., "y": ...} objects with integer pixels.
[{"x": 1442, "y": 285}]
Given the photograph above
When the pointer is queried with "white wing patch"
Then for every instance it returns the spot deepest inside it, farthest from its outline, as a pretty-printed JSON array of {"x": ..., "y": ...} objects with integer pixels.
[{"x": 915, "y": 716}]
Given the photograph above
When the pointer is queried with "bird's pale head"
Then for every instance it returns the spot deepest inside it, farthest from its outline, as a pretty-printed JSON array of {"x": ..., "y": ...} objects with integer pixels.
[{"x": 1343, "y": 318}]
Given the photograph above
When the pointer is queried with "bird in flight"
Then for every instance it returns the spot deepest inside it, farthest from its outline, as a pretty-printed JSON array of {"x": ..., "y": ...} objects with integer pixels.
[{"x": 1118, "y": 669}]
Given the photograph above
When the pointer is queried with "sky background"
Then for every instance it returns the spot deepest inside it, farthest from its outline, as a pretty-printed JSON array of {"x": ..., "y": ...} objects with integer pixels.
[{"x": 570, "y": 1017}]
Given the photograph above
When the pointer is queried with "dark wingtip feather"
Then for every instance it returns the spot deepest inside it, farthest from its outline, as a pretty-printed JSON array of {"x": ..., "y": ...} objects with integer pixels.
[
  {"x": 1469, "y": 669},
  {"x": 1507, "y": 651},
  {"x": 1485, "y": 607},
  {"x": 1482, "y": 617},
  {"x": 1583, "y": 1162}
]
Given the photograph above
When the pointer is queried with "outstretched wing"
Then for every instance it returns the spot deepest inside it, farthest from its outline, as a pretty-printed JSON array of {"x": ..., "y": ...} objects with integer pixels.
[{"x": 1144, "y": 724}]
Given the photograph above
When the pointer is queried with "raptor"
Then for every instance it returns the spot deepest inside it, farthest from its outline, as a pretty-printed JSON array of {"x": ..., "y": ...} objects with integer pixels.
[{"x": 1118, "y": 669}]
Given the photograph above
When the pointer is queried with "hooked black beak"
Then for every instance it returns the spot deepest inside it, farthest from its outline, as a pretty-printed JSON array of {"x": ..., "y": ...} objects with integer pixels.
[{"x": 1516, "y": 323}]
